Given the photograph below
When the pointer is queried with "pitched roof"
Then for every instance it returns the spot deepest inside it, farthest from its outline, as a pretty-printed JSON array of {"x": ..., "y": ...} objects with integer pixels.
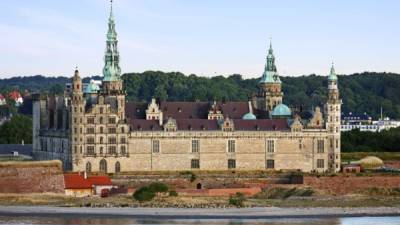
[
  {"x": 14, "y": 95},
  {"x": 99, "y": 180},
  {"x": 143, "y": 124},
  {"x": 136, "y": 110},
  {"x": 76, "y": 181},
  {"x": 261, "y": 124},
  {"x": 25, "y": 149},
  {"x": 185, "y": 110}
]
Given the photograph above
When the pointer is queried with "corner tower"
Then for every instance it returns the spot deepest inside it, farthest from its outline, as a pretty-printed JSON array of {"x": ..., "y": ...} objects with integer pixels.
[
  {"x": 332, "y": 114},
  {"x": 269, "y": 93},
  {"x": 112, "y": 88}
]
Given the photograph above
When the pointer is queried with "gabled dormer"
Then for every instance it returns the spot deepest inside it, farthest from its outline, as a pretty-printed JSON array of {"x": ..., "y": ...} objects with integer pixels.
[
  {"x": 153, "y": 111},
  {"x": 215, "y": 112}
]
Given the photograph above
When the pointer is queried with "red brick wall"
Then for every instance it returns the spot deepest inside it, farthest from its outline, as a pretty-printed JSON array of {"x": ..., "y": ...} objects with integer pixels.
[
  {"x": 351, "y": 184},
  {"x": 31, "y": 179}
]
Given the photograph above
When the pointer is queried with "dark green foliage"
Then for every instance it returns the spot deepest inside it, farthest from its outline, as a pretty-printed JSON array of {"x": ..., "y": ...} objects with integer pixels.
[
  {"x": 384, "y": 141},
  {"x": 158, "y": 187},
  {"x": 17, "y": 129},
  {"x": 144, "y": 194},
  {"x": 237, "y": 199},
  {"x": 363, "y": 92}
]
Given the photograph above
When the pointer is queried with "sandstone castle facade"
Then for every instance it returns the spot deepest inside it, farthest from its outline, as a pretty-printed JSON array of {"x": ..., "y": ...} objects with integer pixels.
[{"x": 92, "y": 128}]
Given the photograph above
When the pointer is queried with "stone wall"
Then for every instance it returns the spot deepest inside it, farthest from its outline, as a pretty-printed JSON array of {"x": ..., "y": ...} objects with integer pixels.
[
  {"x": 31, "y": 177},
  {"x": 351, "y": 184}
]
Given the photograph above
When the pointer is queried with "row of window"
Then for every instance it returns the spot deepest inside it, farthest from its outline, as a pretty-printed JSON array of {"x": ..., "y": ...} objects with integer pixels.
[
  {"x": 111, "y": 140},
  {"x": 91, "y": 120},
  {"x": 112, "y": 149},
  {"x": 195, "y": 164},
  {"x": 103, "y": 167},
  {"x": 111, "y": 130},
  {"x": 155, "y": 146}
]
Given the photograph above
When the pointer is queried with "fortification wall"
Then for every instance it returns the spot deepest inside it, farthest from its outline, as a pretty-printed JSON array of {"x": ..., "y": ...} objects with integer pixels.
[{"x": 31, "y": 177}]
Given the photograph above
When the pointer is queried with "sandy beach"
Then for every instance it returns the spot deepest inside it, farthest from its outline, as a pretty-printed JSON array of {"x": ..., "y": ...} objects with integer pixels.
[{"x": 197, "y": 213}]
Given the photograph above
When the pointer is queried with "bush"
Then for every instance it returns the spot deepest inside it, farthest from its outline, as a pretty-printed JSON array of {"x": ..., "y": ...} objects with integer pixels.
[
  {"x": 144, "y": 194},
  {"x": 173, "y": 193},
  {"x": 237, "y": 199},
  {"x": 158, "y": 187}
]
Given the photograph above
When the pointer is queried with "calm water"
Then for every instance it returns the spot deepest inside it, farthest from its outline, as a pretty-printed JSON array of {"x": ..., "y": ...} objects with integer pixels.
[{"x": 123, "y": 220}]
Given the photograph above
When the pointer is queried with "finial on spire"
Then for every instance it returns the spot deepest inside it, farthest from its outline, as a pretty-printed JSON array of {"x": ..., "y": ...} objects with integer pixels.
[{"x": 111, "y": 9}]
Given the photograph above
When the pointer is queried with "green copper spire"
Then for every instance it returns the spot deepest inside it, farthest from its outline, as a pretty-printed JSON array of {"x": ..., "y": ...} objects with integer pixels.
[
  {"x": 111, "y": 70},
  {"x": 332, "y": 75},
  {"x": 270, "y": 74}
]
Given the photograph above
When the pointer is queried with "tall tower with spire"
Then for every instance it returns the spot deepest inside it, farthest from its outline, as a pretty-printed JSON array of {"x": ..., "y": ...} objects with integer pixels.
[
  {"x": 332, "y": 114},
  {"x": 77, "y": 116},
  {"x": 112, "y": 88},
  {"x": 269, "y": 93}
]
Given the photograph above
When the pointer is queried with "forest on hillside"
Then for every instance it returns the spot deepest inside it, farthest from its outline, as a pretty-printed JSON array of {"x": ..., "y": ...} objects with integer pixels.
[{"x": 361, "y": 92}]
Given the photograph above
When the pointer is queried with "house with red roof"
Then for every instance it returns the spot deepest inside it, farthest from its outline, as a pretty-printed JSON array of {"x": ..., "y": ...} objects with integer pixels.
[
  {"x": 16, "y": 96},
  {"x": 79, "y": 185}
]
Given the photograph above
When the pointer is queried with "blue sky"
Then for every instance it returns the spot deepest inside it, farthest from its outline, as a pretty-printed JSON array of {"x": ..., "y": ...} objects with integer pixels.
[{"x": 207, "y": 37}]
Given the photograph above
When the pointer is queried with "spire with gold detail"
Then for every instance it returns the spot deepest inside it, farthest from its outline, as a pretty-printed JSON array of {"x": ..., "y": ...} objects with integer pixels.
[
  {"x": 111, "y": 70},
  {"x": 270, "y": 74}
]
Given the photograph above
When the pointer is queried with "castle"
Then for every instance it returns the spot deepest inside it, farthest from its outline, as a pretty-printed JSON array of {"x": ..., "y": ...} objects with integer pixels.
[{"x": 92, "y": 128}]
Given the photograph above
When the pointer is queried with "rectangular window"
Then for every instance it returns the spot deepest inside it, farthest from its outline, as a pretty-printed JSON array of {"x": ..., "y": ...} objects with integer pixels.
[
  {"x": 195, "y": 145},
  {"x": 90, "y": 140},
  {"x": 111, "y": 120},
  {"x": 231, "y": 146},
  {"x": 90, "y": 130},
  {"x": 112, "y": 130},
  {"x": 90, "y": 120},
  {"x": 320, "y": 146},
  {"x": 337, "y": 143},
  {"x": 270, "y": 146},
  {"x": 90, "y": 150},
  {"x": 320, "y": 163},
  {"x": 231, "y": 164},
  {"x": 270, "y": 164},
  {"x": 123, "y": 140},
  {"x": 195, "y": 164},
  {"x": 112, "y": 140},
  {"x": 331, "y": 143},
  {"x": 112, "y": 149},
  {"x": 155, "y": 146}
]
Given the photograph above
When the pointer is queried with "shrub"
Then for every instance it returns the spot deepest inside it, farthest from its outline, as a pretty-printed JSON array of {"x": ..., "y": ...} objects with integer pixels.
[
  {"x": 144, "y": 194},
  {"x": 173, "y": 193},
  {"x": 158, "y": 187},
  {"x": 283, "y": 193},
  {"x": 237, "y": 199}
]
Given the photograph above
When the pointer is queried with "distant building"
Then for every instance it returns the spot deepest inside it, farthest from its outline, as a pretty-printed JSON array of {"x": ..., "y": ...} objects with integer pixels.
[
  {"x": 81, "y": 185},
  {"x": 364, "y": 122},
  {"x": 2, "y": 100},
  {"x": 15, "y": 152},
  {"x": 16, "y": 97}
]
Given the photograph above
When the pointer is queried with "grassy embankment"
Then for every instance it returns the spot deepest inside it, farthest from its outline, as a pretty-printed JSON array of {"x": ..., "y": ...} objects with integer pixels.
[
  {"x": 385, "y": 156},
  {"x": 278, "y": 197}
]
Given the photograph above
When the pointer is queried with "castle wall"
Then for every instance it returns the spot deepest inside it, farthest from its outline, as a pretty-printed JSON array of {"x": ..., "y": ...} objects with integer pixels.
[{"x": 251, "y": 151}]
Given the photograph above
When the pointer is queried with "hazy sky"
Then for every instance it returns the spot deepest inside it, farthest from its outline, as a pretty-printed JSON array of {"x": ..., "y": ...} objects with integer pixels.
[{"x": 205, "y": 37}]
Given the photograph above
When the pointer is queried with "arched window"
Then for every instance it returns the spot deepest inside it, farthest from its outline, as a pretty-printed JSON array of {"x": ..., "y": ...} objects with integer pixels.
[
  {"x": 123, "y": 150},
  {"x": 103, "y": 166},
  {"x": 117, "y": 167},
  {"x": 88, "y": 167},
  {"x": 101, "y": 120}
]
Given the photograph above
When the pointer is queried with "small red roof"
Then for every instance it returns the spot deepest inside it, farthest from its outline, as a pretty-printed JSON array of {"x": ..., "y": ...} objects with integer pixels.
[
  {"x": 99, "y": 180},
  {"x": 14, "y": 95},
  {"x": 76, "y": 181},
  {"x": 1, "y": 97}
]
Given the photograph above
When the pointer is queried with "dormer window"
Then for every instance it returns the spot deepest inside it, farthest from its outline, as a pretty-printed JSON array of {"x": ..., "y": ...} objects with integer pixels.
[{"x": 179, "y": 110}]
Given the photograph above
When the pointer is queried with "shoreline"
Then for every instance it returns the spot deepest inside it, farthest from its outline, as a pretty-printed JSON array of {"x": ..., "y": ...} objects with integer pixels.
[{"x": 201, "y": 213}]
